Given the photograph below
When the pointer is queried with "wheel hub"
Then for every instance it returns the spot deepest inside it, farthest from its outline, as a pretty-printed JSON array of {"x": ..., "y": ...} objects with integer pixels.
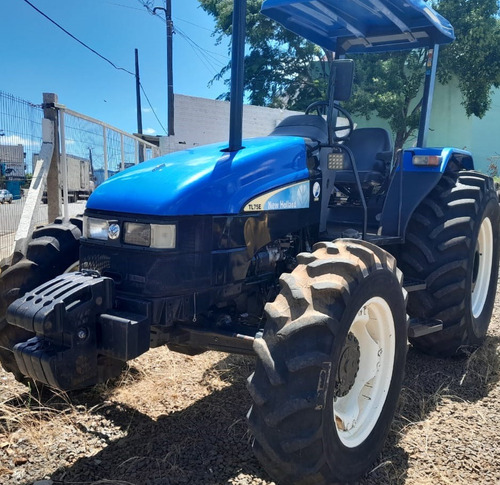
[{"x": 348, "y": 366}]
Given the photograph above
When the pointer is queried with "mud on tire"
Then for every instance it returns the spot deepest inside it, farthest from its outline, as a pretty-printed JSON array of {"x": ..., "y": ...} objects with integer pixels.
[
  {"x": 336, "y": 335},
  {"x": 52, "y": 250},
  {"x": 452, "y": 244}
]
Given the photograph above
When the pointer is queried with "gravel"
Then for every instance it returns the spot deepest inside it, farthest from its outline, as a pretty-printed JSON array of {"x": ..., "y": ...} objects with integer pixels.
[{"x": 173, "y": 419}]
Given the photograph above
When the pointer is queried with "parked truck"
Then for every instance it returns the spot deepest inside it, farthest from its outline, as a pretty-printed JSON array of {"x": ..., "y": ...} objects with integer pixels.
[
  {"x": 81, "y": 181},
  {"x": 320, "y": 253}
]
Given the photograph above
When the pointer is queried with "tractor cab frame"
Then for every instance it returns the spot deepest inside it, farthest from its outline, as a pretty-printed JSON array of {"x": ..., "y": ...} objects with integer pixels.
[{"x": 361, "y": 163}]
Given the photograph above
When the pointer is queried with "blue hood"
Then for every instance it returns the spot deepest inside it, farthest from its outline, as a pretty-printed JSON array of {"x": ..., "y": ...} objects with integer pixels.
[{"x": 204, "y": 180}]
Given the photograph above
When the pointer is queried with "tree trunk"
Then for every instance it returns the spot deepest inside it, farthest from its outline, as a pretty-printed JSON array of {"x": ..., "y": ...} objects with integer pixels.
[{"x": 401, "y": 137}]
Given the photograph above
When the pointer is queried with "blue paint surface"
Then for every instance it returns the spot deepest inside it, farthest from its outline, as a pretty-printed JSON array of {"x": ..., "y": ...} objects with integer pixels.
[{"x": 204, "y": 180}]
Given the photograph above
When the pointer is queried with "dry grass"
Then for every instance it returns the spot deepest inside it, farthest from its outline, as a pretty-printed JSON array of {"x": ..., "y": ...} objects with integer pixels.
[{"x": 172, "y": 419}]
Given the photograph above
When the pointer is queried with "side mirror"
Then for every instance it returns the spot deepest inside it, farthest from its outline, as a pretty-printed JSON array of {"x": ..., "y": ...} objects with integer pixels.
[
  {"x": 339, "y": 89},
  {"x": 342, "y": 75}
]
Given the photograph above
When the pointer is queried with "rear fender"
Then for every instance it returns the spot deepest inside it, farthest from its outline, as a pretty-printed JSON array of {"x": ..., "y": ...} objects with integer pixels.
[{"x": 408, "y": 188}]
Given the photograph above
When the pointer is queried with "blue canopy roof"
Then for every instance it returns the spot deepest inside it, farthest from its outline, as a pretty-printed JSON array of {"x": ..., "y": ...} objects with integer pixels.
[{"x": 362, "y": 25}]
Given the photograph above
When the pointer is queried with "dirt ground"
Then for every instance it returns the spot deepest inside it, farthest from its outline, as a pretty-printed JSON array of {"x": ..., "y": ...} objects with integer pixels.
[{"x": 172, "y": 419}]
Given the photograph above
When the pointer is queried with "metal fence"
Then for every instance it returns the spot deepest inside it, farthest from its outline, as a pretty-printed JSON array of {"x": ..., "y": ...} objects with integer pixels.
[
  {"x": 108, "y": 149},
  {"x": 20, "y": 139},
  {"x": 97, "y": 149}
]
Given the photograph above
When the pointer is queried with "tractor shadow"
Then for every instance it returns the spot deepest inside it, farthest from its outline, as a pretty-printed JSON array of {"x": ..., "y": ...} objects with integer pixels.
[{"x": 208, "y": 443}]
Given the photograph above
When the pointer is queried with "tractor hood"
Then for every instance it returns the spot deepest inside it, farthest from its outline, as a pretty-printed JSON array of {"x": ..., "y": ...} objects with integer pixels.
[
  {"x": 204, "y": 180},
  {"x": 349, "y": 26}
]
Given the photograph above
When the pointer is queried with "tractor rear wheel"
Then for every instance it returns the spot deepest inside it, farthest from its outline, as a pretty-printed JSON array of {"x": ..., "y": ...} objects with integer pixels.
[
  {"x": 452, "y": 244},
  {"x": 330, "y": 365},
  {"x": 53, "y": 250}
]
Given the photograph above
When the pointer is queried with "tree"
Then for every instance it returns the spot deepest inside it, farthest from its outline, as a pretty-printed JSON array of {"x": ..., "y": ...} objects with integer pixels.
[
  {"x": 387, "y": 85},
  {"x": 474, "y": 58},
  {"x": 278, "y": 64}
]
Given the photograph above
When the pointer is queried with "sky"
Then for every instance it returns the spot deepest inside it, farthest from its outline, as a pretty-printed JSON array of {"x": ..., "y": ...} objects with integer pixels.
[{"x": 37, "y": 57}]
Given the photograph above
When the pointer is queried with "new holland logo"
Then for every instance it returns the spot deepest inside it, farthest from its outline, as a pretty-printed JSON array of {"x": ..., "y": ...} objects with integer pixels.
[
  {"x": 113, "y": 231},
  {"x": 295, "y": 196},
  {"x": 316, "y": 190}
]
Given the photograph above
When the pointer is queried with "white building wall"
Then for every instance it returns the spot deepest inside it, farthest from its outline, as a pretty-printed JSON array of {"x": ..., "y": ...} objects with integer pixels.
[
  {"x": 12, "y": 156},
  {"x": 200, "y": 121}
]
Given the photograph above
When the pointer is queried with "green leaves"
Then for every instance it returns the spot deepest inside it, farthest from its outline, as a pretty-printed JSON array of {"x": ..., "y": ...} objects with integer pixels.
[
  {"x": 388, "y": 86},
  {"x": 474, "y": 58},
  {"x": 283, "y": 70},
  {"x": 278, "y": 64}
]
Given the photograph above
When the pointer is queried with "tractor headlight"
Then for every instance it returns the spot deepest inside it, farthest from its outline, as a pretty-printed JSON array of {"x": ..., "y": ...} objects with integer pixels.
[
  {"x": 427, "y": 160},
  {"x": 95, "y": 228},
  {"x": 137, "y": 234},
  {"x": 161, "y": 236}
]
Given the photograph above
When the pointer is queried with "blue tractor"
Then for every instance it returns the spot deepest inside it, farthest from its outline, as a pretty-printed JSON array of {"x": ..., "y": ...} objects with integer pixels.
[{"x": 307, "y": 249}]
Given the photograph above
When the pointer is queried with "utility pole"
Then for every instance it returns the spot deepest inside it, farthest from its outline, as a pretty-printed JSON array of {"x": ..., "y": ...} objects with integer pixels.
[
  {"x": 170, "y": 82},
  {"x": 138, "y": 101},
  {"x": 138, "y": 93}
]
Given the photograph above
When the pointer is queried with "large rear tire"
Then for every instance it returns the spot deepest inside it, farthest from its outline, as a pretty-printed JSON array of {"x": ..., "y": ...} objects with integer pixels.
[
  {"x": 329, "y": 365},
  {"x": 53, "y": 250},
  {"x": 452, "y": 244}
]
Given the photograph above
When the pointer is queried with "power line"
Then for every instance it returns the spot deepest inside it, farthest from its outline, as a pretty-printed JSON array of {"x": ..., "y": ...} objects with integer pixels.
[
  {"x": 206, "y": 57},
  {"x": 97, "y": 54},
  {"x": 152, "y": 109},
  {"x": 78, "y": 40},
  {"x": 124, "y": 6},
  {"x": 211, "y": 53},
  {"x": 150, "y": 10},
  {"x": 199, "y": 53},
  {"x": 183, "y": 34},
  {"x": 192, "y": 23}
]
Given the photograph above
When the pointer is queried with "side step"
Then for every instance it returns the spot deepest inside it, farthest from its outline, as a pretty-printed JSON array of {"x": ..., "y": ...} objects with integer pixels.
[{"x": 418, "y": 327}]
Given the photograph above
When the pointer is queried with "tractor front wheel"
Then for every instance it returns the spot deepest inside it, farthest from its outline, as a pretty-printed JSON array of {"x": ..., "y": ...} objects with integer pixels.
[
  {"x": 53, "y": 250},
  {"x": 329, "y": 365}
]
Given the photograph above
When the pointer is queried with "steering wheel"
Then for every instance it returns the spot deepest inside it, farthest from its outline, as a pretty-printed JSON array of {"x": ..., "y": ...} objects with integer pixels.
[{"x": 321, "y": 109}]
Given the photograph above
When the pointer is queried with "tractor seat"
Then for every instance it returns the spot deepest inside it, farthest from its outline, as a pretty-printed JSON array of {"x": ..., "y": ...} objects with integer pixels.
[
  {"x": 372, "y": 150},
  {"x": 313, "y": 127}
]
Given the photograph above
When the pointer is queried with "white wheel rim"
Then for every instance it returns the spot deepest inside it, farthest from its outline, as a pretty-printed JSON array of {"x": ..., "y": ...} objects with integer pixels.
[
  {"x": 357, "y": 412},
  {"x": 481, "y": 273}
]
